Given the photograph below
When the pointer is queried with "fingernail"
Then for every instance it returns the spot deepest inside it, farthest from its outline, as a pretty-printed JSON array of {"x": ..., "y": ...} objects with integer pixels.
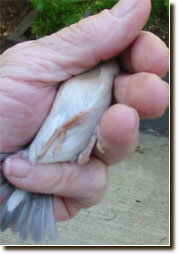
[
  {"x": 136, "y": 119},
  {"x": 17, "y": 167},
  {"x": 123, "y": 8},
  {"x": 99, "y": 144}
]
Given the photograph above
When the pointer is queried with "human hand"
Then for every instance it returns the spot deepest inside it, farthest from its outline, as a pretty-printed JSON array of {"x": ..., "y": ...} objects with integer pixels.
[{"x": 29, "y": 76}]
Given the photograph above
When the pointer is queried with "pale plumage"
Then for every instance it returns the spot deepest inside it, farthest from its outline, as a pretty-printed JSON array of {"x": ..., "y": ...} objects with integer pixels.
[{"x": 66, "y": 135}]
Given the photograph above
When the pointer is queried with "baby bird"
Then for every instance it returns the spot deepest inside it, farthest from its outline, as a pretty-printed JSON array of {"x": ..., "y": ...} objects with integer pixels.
[{"x": 68, "y": 134}]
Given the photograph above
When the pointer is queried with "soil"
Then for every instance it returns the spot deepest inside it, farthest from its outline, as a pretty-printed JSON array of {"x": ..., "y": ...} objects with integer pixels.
[
  {"x": 160, "y": 27},
  {"x": 12, "y": 12}
]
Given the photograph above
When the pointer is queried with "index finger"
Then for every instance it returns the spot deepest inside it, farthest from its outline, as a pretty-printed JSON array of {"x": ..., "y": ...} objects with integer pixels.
[{"x": 148, "y": 53}]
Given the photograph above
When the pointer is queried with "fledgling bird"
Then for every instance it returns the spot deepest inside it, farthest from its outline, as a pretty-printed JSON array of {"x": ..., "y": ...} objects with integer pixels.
[{"x": 68, "y": 134}]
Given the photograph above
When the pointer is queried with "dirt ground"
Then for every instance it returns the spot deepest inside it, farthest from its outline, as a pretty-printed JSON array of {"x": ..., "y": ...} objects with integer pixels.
[
  {"x": 160, "y": 27},
  {"x": 12, "y": 13}
]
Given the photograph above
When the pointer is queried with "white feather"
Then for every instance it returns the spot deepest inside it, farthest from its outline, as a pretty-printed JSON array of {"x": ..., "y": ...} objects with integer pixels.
[
  {"x": 87, "y": 92},
  {"x": 16, "y": 197}
]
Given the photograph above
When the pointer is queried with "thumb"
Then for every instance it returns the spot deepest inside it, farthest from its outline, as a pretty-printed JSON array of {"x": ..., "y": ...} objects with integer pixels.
[
  {"x": 79, "y": 47},
  {"x": 99, "y": 37}
]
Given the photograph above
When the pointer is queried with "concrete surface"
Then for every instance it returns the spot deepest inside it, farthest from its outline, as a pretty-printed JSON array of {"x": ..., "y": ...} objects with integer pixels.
[{"x": 135, "y": 209}]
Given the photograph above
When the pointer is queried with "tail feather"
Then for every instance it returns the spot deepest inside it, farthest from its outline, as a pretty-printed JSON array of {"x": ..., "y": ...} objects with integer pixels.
[
  {"x": 20, "y": 219},
  {"x": 51, "y": 225},
  {"x": 25, "y": 230},
  {"x": 38, "y": 229},
  {"x": 38, "y": 232},
  {"x": 8, "y": 217},
  {"x": 5, "y": 190},
  {"x": 2, "y": 178}
]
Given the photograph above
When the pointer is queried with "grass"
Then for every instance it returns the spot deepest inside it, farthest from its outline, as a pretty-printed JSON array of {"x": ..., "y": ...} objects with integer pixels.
[{"x": 56, "y": 14}]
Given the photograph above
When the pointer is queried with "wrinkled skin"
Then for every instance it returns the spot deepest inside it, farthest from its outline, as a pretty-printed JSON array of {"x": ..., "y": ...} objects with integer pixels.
[{"x": 30, "y": 72}]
